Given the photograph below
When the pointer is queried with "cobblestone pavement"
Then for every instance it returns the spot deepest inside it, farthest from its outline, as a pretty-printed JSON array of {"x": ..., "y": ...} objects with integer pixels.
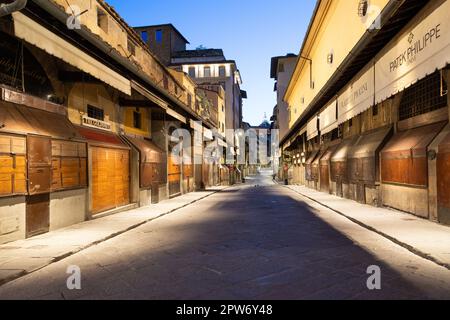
[{"x": 255, "y": 241}]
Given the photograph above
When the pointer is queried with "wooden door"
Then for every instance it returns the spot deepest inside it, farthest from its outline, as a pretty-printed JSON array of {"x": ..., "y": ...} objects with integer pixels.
[
  {"x": 110, "y": 179},
  {"x": 39, "y": 154},
  {"x": 37, "y": 214},
  {"x": 174, "y": 175},
  {"x": 324, "y": 178}
]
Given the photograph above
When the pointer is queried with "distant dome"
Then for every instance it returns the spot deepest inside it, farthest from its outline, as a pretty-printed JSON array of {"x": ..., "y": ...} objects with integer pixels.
[{"x": 265, "y": 124}]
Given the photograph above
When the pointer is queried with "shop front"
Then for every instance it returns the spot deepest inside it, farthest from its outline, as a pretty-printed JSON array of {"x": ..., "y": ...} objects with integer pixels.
[
  {"x": 339, "y": 176},
  {"x": 313, "y": 151},
  {"x": 152, "y": 169},
  {"x": 411, "y": 175},
  {"x": 443, "y": 181},
  {"x": 404, "y": 169},
  {"x": 363, "y": 165},
  {"x": 109, "y": 159},
  {"x": 324, "y": 169},
  {"x": 42, "y": 167}
]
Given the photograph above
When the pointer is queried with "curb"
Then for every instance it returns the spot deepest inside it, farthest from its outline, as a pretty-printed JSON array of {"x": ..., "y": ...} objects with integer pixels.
[
  {"x": 406, "y": 246},
  {"x": 23, "y": 273}
]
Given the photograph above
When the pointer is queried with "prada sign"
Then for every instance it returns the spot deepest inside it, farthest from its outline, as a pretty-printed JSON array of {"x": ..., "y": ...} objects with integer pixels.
[
  {"x": 95, "y": 123},
  {"x": 357, "y": 96}
]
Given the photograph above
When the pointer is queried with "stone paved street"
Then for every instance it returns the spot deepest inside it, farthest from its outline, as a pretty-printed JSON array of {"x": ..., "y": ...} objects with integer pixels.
[{"x": 255, "y": 241}]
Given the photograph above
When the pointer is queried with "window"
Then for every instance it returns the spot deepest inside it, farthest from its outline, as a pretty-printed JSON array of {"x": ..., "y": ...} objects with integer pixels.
[
  {"x": 192, "y": 72},
  {"x": 423, "y": 97},
  {"x": 363, "y": 6},
  {"x": 144, "y": 36},
  {"x": 102, "y": 20},
  {"x": 223, "y": 108},
  {"x": 137, "y": 120},
  {"x": 223, "y": 127},
  {"x": 131, "y": 47},
  {"x": 95, "y": 113},
  {"x": 189, "y": 100},
  {"x": 222, "y": 72},
  {"x": 207, "y": 72},
  {"x": 281, "y": 67},
  {"x": 350, "y": 123},
  {"x": 158, "y": 36}
]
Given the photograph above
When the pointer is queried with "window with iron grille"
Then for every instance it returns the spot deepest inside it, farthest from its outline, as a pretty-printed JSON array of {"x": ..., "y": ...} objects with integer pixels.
[
  {"x": 423, "y": 97},
  {"x": 95, "y": 113}
]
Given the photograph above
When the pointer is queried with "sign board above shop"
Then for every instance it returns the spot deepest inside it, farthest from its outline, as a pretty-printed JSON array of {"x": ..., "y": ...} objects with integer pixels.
[
  {"x": 358, "y": 96},
  {"x": 95, "y": 123},
  {"x": 422, "y": 48},
  {"x": 328, "y": 118}
]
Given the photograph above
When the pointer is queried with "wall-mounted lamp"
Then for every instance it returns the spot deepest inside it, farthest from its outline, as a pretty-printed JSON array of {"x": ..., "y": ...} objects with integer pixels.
[{"x": 330, "y": 58}]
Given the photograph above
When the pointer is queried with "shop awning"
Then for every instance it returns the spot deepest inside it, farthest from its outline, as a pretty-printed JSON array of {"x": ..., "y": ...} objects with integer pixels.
[
  {"x": 412, "y": 143},
  {"x": 149, "y": 152},
  {"x": 343, "y": 149},
  {"x": 312, "y": 157},
  {"x": 358, "y": 96},
  {"x": 99, "y": 138},
  {"x": 368, "y": 144},
  {"x": 208, "y": 134},
  {"x": 25, "y": 120},
  {"x": 222, "y": 143},
  {"x": 421, "y": 49},
  {"x": 312, "y": 130},
  {"x": 326, "y": 157},
  {"x": 176, "y": 115},
  {"x": 35, "y": 34},
  {"x": 328, "y": 118},
  {"x": 149, "y": 95},
  {"x": 319, "y": 156}
]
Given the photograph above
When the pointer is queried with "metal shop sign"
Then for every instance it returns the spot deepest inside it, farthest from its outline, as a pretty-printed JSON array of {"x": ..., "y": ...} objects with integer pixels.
[
  {"x": 421, "y": 48},
  {"x": 95, "y": 123}
]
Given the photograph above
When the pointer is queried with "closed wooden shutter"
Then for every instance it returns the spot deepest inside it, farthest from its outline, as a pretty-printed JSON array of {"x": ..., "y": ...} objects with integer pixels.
[
  {"x": 13, "y": 167},
  {"x": 110, "y": 178},
  {"x": 69, "y": 165}
]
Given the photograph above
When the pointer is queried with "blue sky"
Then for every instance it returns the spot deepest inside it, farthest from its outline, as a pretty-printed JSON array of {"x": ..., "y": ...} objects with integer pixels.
[{"x": 249, "y": 31}]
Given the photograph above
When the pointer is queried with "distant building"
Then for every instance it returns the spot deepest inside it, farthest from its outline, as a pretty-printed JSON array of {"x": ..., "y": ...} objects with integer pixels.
[
  {"x": 210, "y": 67},
  {"x": 281, "y": 71},
  {"x": 164, "y": 40}
]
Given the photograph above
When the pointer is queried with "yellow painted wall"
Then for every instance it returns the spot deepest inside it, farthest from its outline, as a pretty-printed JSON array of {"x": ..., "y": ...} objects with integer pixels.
[
  {"x": 336, "y": 30},
  {"x": 128, "y": 121},
  {"x": 117, "y": 35},
  {"x": 96, "y": 95}
]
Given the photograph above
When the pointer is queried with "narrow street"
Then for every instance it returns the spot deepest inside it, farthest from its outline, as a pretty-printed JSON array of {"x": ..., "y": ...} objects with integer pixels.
[{"x": 255, "y": 241}]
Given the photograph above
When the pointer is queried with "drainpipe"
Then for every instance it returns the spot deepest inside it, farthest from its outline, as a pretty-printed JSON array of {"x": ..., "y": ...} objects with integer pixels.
[{"x": 6, "y": 9}]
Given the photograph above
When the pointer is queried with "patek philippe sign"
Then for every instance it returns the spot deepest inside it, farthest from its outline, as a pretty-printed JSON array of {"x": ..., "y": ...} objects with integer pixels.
[
  {"x": 95, "y": 123},
  {"x": 420, "y": 50},
  {"x": 416, "y": 48}
]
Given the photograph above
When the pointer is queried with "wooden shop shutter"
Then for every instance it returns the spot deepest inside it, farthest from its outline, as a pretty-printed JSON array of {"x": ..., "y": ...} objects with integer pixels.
[
  {"x": 69, "y": 165},
  {"x": 12, "y": 165}
]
